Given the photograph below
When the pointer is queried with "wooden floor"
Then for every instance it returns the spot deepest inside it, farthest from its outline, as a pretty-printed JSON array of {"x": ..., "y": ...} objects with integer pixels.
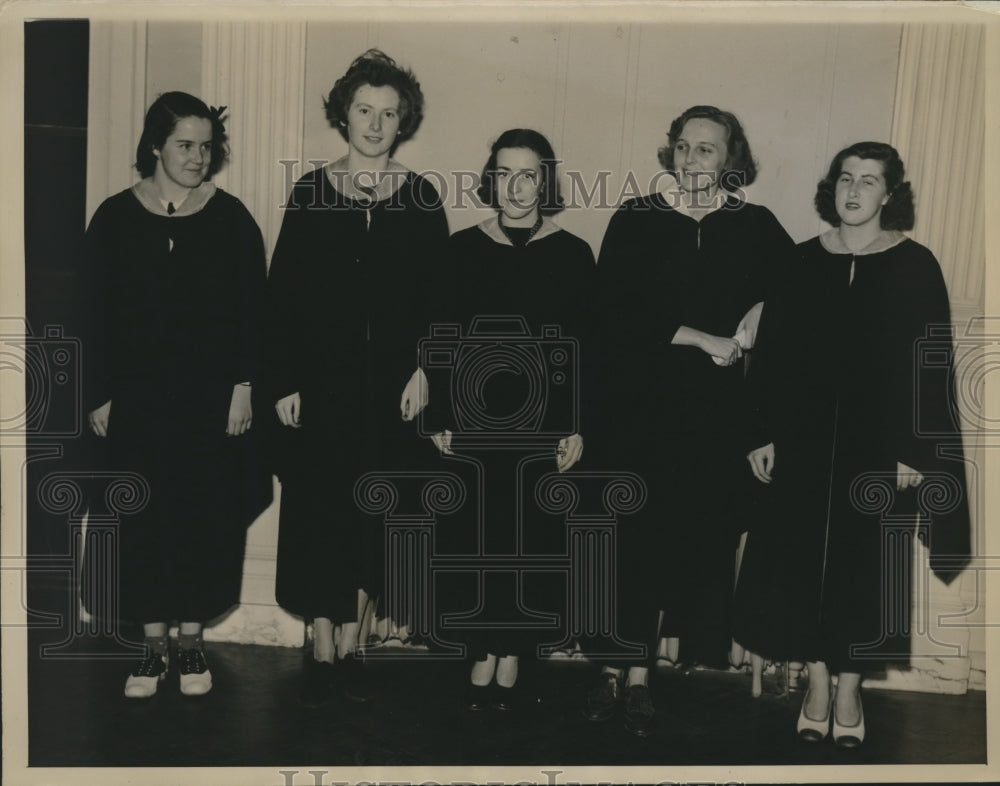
[{"x": 78, "y": 717}]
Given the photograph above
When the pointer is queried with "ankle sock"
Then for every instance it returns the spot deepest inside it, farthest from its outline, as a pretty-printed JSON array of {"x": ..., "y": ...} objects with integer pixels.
[
  {"x": 189, "y": 641},
  {"x": 156, "y": 644}
]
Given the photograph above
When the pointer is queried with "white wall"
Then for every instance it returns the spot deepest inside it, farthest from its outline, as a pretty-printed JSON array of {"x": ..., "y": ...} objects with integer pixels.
[{"x": 605, "y": 94}]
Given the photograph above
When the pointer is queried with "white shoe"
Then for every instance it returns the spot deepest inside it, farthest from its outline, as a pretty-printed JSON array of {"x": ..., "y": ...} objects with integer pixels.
[
  {"x": 810, "y": 730},
  {"x": 849, "y": 736},
  {"x": 146, "y": 677},
  {"x": 196, "y": 679}
]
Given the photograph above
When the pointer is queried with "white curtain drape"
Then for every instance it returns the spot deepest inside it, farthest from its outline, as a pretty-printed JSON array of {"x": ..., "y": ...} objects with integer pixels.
[
  {"x": 116, "y": 104},
  {"x": 938, "y": 127},
  {"x": 258, "y": 72}
]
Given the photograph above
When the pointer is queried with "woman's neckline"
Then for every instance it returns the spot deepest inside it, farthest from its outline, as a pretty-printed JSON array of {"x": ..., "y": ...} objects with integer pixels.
[
  {"x": 888, "y": 238},
  {"x": 389, "y": 181}
]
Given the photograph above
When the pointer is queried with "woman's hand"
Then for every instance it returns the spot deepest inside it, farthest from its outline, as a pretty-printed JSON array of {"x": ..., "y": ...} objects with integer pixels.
[
  {"x": 288, "y": 409},
  {"x": 99, "y": 419},
  {"x": 749, "y": 324},
  {"x": 907, "y": 477},
  {"x": 762, "y": 462},
  {"x": 414, "y": 397},
  {"x": 569, "y": 452},
  {"x": 442, "y": 441},
  {"x": 240, "y": 411},
  {"x": 725, "y": 351}
]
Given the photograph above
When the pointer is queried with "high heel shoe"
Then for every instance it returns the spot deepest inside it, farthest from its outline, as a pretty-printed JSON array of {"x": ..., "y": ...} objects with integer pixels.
[
  {"x": 850, "y": 736},
  {"x": 810, "y": 730}
]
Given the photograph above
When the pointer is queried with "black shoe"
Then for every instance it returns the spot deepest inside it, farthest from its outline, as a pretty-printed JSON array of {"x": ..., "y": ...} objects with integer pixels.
[
  {"x": 354, "y": 678},
  {"x": 604, "y": 697},
  {"x": 639, "y": 710},
  {"x": 316, "y": 683},
  {"x": 477, "y": 697},
  {"x": 504, "y": 699}
]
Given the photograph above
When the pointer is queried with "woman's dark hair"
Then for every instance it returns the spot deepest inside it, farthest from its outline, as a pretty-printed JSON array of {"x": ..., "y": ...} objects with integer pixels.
[
  {"x": 161, "y": 120},
  {"x": 377, "y": 69},
  {"x": 549, "y": 200},
  {"x": 740, "y": 168},
  {"x": 897, "y": 213}
]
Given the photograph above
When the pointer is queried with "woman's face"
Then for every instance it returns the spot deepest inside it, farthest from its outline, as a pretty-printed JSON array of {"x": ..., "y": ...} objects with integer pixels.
[
  {"x": 373, "y": 120},
  {"x": 700, "y": 155},
  {"x": 518, "y": 181},
  {"x": 187, "y": 153},
  {"x": 860, "y": 191}
]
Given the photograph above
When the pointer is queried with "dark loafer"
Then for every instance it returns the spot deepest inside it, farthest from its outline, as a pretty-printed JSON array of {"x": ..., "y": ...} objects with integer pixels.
[
  {"x": 504, "y": 699},
  {"x": 639, "y": 711},
  {"x": 603, "y": 698},
  {"x": 316, "y": 682},
  {"x": 354, "y": 679},
  {"x": 477, "y": 698}
]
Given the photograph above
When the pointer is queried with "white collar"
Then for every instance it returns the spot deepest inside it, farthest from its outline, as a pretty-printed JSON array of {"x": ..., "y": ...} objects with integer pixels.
[
  {"x": 491, "y": 227},
  {"x": 673, "y": 195},
  {"x": 887, "y": 238},
  {"x": 149, "y": 198}
]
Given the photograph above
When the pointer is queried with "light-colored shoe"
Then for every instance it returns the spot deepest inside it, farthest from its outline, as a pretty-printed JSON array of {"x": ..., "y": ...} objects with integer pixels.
[
  {"x": 196, "y": 679},
  {"x": 146, "y": 677},
  {"x": 850, "y": 736},
  {"x": 810, "y": 730}
]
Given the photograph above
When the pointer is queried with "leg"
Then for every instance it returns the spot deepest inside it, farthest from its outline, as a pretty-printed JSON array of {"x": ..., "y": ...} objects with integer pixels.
[
  {"x": 814, "y": 717},
  {"x": 507, "y": 671},
  {"x": 504, "y": 694},
  {"x": 355, "y": 677},
  {"x": 323, "y": 650},
  {"x": 639, "y": 709},
  {"x": 757, "y": 670},
  {"x": 483, "y": 671},
  {"x": 150, "y": 671},
  {"x": 196, "y": 679},
  {"x": 817, "y": 699},
  {"x": 848, "y": 715},
  {"x": 317, "y": 666}
]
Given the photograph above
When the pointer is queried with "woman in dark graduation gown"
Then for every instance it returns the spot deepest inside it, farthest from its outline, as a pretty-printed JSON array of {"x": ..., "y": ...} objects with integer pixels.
[
  {"x": 856, "y": 438},
  {"x": 175, "y": 281},
  {"x": 516, "y": 264},
  {"x": 347, "y": 305},
  {"x": 683, "y": 275}
]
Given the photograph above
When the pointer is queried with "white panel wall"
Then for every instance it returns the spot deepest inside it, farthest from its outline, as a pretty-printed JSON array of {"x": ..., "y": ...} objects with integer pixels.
[{"x": 605, "y": 94}]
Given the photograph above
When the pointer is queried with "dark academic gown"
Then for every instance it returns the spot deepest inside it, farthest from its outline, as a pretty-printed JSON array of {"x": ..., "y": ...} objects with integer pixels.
[
  {"x": 542, "y": 291},
  {"x": 176, "y": 307},
  {"x": 349, "y": 293},
  {"x": 673, "y": 416},
  {"x": 851, "y": 379}
]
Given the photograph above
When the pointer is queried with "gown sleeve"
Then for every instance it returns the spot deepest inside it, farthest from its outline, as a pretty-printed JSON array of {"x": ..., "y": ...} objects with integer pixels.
[
  {"x": 927, "y": 435},
  {"x": 626, "y": 297},
  {"x": 98, "y": 246},
  {"x": 253, "y": 281},
  {"x": 283, "y": 338},
  {"x": 773, "y": 285}
]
